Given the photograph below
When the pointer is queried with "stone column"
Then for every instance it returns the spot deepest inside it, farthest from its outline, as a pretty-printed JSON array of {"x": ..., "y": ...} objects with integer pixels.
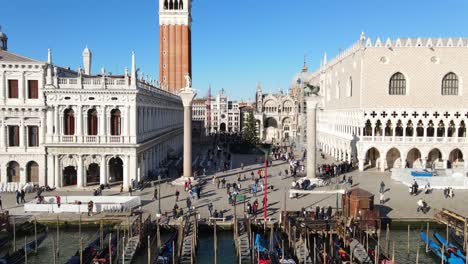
[
  {"x": 79, "y": 172},
  {"x": 103, "y": 170},
  {"x": 58, "y": 174},
  {"x": 312, "y": 103},
  {"x": 187, "y": 96}
]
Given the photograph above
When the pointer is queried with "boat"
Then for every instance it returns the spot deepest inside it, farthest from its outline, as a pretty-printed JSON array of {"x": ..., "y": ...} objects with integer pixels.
[
  {"x": 4, "y": 239},
  {"x": 262, "y": 256},
  {"x": 359, "y": 252},
  {"x": 104, "y": 255},
  {"x": 449, "y": 246},
  {"x": 432, "y": 246},
  {"x": 88, "y": 253},
  {"x": 456, "y": 238},
  {"x": 166, "y": 250},
  {"x": 27, "y": 228},
  {"x": 19, "y": 255},
  {"x": 279, "y": 251}
]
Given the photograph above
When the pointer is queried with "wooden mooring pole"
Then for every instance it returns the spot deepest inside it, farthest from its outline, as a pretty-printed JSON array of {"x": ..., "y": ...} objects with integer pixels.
[
  {"x": 408, "y": 247},
  {"x": 427, "y": 237},
  {"x": 215, "y": 243},
  {"x": 81, "y": 250},
  {"x": 464, "y": 234},
  {"x": 387, "y": 240},
  {"x": 417, "y": 254},
  {"x": 25, "y": 251},
  {"x": 35, "y": 235},
  {"x": 58, "y": 237},
  {"x": 110, "y": 248},
  {"x": 149, "y": 250},
  {"x": 54, "y": 257},
  {"x": 14, "y": 234}
]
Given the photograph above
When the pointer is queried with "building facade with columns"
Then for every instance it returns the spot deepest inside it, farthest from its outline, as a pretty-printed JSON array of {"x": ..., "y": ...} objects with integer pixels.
[
  {"x": 71, "y": 128},
  {"x": 394, "y": 103},
  {"x": 276, "y": 116},
  {"x": 220, "y": 115}
]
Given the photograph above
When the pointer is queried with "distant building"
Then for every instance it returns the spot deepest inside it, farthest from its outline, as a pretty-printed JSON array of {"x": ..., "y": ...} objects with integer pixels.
[
  {"x": 276, "y": 117},
  {"x": 225, "y": 114}
]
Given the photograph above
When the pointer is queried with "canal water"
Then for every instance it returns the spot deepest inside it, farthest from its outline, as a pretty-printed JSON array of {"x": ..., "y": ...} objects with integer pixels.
[{"x": 69, "y": 244}]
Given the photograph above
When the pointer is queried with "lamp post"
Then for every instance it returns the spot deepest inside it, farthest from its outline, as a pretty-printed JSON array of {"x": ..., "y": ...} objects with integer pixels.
[{"x": 159, "y": 194}]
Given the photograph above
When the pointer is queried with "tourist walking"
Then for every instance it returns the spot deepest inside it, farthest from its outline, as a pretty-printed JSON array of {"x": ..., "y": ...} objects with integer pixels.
[
  {"x": 177, "y": 193},
  {"x": 210, "y": 209},
  {"x": 130, "y": 190},
  {"x": 90, "y": 208},
  {"x": 382, "y": 198},
  {"x": 121, "y": 188},
  {"x": 18, "y": 195},
  {"x": 58, "y": 199},
  {"x": 155, "y": 194},
  {"x": 382, "y": 187},
  {"x": 1, "y": 206},
  {"x": 23, "y": 194}
]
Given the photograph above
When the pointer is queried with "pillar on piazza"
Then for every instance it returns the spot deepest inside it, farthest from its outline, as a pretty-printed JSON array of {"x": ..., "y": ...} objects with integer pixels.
[
  {"x": 187, "y": 95},
  {"x": 312, "y": 104}
]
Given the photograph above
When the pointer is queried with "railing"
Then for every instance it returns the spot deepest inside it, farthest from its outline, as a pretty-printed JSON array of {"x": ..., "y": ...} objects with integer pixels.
[
  {"x": 93, "y": 139},
  {"x": 110, "y": 82},
  {"x": 90, "y": 139},
  {"x": 115, "y": 139},
  {"x": 68, "y": 139}
]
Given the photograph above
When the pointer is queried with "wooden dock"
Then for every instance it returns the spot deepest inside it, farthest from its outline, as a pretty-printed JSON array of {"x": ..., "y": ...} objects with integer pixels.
[
  {"x": 242, "y": 241},
  {"x": 189, "y": 240}
]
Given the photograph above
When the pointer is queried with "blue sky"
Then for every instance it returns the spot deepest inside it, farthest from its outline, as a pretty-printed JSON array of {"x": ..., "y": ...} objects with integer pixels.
[{"x": 234, "y": 43}]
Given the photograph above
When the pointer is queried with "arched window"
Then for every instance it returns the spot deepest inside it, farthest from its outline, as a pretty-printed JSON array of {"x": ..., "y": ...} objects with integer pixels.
[
  {"x": 166, "y": 4},
  {"x": 337, "y": 92},
  {"x": 115, "y": 123},
  {"x": 181, "y": 5},
  {"x": 450, "y": 84},
  {"x": 171, "y": 5},
  {"x": 176, "y": 4},
  {"x": 92, "y": 122},
  {"x": 69, "y": 122},
  {"x": 397, "y": 84}
]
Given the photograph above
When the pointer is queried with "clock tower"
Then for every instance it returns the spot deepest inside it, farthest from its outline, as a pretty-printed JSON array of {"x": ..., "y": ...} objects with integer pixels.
[{"x": 175, "y": 43}]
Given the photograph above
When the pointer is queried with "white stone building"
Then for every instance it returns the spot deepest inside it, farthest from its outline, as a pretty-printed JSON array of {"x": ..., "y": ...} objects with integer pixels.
[
  {"x": 72, "y": 128},
  {"x": 394, "y": 103},
  {"x": 276, "y": 117}
]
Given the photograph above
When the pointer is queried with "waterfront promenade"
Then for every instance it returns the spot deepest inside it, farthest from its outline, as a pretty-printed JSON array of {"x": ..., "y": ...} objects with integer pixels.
[{"x": 399, "y": 205}]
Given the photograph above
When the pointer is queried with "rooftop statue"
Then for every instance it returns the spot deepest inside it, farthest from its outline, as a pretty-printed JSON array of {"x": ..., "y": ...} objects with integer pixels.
[{"x": 309, "y": 89}]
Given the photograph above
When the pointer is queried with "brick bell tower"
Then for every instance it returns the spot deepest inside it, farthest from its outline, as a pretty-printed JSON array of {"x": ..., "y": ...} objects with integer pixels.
[{"x": 175, "y": 43}]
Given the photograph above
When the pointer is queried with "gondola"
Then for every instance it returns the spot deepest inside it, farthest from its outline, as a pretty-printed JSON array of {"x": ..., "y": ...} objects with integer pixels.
[
  {"x": 27, "y": 228},
  {"x": 279, "y": 251},
  {"x": 262, "y": 256},
  {"x": 453, "y": 249},
  {"x": 432, "y": 246},
  {"x": 166, "y": 251},
  {"x": 359, "y": 252},
  {"x": 104, "y": 255},
  {"x": 456, "y": 238},
  {"x": 88, "y": 253},
  {"x": 4, "y": 239},
  {"x": 19, "y": 255}
]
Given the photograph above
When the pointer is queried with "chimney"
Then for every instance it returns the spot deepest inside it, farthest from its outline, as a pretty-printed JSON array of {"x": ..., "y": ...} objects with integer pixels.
[{"x": 87, "y": 57}]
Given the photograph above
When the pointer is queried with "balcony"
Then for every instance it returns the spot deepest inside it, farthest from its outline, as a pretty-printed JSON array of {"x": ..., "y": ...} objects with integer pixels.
[{"x": 91, "y": 139}]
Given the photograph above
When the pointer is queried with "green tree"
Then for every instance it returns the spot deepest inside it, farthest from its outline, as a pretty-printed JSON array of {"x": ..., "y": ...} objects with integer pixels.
[{"x": 250, "y": 132}]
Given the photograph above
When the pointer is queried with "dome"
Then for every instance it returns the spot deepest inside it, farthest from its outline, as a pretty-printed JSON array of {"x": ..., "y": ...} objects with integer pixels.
[{"x": 2, "y": 35}]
